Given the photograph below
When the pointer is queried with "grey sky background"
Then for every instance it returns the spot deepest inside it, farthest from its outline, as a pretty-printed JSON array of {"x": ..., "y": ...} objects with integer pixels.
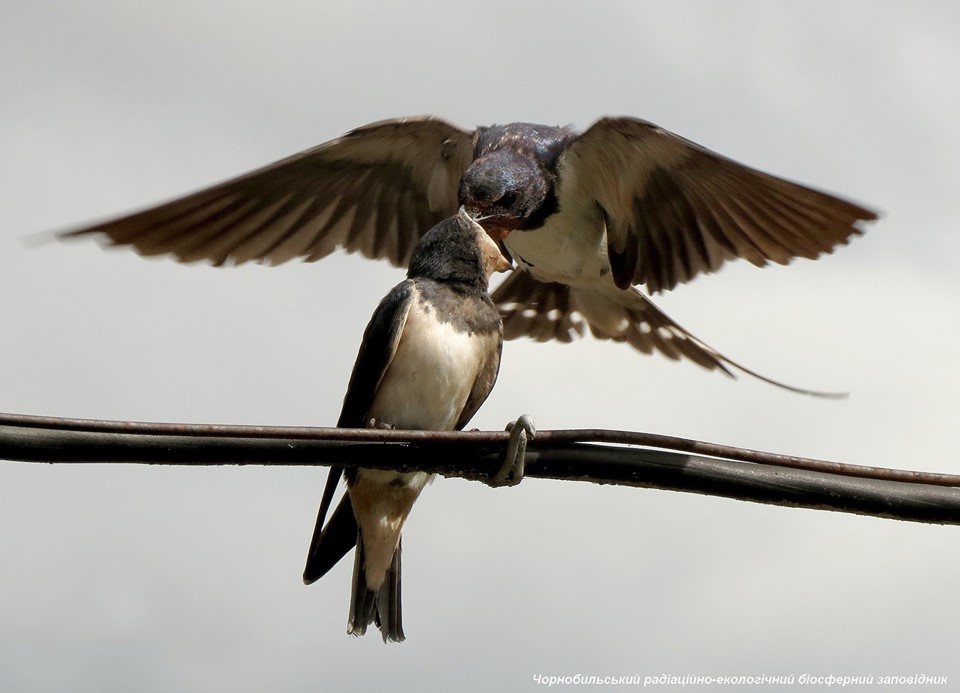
[{"x": 126, "y": 578}]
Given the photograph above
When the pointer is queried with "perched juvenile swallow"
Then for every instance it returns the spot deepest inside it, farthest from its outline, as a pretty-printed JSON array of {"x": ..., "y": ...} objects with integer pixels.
[
  {"x": 429, "y": 358},
  {"x": 586, "y": 216}
]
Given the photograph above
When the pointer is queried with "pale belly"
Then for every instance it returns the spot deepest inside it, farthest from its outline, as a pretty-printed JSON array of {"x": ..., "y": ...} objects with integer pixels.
[
  {"x": 571, "y": 248},
  {"x": 430, "y": 377}
]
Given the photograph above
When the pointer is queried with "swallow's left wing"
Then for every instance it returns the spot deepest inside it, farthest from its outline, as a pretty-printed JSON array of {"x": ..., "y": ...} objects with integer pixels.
[{"x": 674, "y": 209}]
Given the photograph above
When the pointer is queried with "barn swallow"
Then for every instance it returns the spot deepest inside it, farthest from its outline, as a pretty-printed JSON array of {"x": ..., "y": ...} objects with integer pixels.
[
  {"x": 428, "y": 359},
  {"x": 586, "y": 216}
]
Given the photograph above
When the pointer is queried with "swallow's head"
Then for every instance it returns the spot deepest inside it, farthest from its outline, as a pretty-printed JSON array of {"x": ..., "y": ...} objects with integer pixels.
[
  {"x": 502, "y": 190},
  {"x": 510, "y": 184},
  {"x": 458, "y": 250}
]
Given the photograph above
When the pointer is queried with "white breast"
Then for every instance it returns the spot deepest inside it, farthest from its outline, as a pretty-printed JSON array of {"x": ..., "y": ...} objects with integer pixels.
[
  {"x": 431, "y": 375},
  {"x": 570, "y": 248}
]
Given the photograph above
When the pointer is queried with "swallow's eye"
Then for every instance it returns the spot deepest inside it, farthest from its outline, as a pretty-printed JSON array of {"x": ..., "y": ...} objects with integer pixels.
[{"x": 507, "y": 199}]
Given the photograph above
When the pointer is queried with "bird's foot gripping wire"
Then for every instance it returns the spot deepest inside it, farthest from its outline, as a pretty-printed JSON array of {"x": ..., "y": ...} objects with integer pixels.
[{"x": 511, "y": 471}]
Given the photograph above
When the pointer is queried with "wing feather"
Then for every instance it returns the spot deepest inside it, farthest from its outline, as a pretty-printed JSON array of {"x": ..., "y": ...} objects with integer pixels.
[
  {"x": 689, "y": 210},
  {"x": 377, "y": 350},
  {"x": 338, "y": 194}
]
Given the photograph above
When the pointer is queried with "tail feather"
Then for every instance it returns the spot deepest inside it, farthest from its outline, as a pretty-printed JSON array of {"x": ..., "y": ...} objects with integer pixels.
[
  {"x": 381, "y": 607},
  {"x": 363, "y": 600},
  {"x": 629, "y": 316},
  {"x": 545, "y": 311},
  {"x": 389, "y": 613}
]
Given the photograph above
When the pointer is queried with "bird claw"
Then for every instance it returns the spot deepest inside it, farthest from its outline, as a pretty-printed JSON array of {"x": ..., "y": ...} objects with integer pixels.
[{"x": 510, "y": 473}]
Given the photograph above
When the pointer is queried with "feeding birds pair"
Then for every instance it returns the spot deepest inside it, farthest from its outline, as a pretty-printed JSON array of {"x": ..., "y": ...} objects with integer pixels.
[{"x": 585, "y": 217}]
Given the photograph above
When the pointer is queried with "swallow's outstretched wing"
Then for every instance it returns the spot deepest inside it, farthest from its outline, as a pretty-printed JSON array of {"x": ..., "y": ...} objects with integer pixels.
[
  {"x": 674, "y": 209},
  {"x": 375, "y": 190}
]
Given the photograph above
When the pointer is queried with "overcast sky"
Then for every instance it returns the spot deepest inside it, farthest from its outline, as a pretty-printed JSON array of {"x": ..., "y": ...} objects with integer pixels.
[{"x": 149, "y": 579}]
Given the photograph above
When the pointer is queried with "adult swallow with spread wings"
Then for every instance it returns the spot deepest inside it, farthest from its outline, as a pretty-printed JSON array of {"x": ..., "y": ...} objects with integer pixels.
[
  {"x": 428, "y": 360},
  {"x": 586, "y": 216}
]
